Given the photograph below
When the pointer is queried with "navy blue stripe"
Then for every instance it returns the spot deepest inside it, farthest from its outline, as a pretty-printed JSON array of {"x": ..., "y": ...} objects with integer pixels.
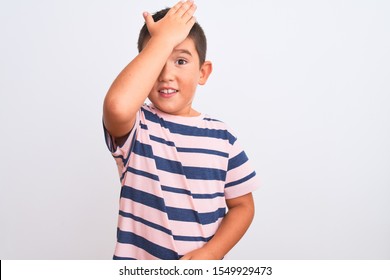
[
  {"x": 196, "y": 173},
  {"x": 212, "y": 120},
  {"x": 188, "y": 215},
  {"x": 192, "y": 238},
  {"x": 131, "y": 148},
  {"x": 143, "y": 149},
  {"x": 200, "y": 132},
  {"x": 143, "y": 198},
  {"x": 204, "y": 173},
  {"x": 152, "y": 248},
  {"x": 125, "y": 160},
  {"x": 123, "y": 258},
  {"x": 194, "y": 195},
  {"x": 145, "y": 222},
  {"x": 168, "y": 165},
  {"x": 184, "y": 215},
  {"x": 246, "y": 178},
  {"x": 121, "y": 157},
  {"x": 190, "y": 130},
  {"x": 110, "y": 142},
  {"x": 161, "y": 140},
  {"x": 143, "y": 126},
  {"x": 238, "y": 160},
  {"x": 211, "y": 217},
  {"x": 175, "y": 190},
  {"x": 142, "y": 173},
  {"x": 207, "y": 196},
  {"x": 202, "y": 151},
  {"x": 150, "y": 116},
  {"x": 108, "y": 138}
]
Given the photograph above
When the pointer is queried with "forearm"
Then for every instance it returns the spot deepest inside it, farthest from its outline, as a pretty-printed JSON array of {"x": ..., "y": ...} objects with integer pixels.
[
  {"x": 232, "y": 228},
  {"x": 132, "y": 86}
]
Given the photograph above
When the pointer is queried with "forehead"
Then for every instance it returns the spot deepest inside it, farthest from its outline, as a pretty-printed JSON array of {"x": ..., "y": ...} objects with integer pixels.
[
  {"x": 188, "y": 44},
  {"x": 187, "y": 47}
]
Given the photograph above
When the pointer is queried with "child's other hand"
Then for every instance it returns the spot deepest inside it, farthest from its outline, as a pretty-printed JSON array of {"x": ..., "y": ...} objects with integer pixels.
[
  {"x": 176, "y": 24},
  {"x": 200, "y": 254}
]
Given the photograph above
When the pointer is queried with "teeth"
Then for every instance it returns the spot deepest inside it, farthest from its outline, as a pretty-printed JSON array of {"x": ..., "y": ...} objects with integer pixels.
[{"x": 168, "y": 91}]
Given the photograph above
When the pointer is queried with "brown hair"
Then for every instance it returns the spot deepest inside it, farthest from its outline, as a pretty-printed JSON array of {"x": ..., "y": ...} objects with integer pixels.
[{"x": 196, "y": 34}]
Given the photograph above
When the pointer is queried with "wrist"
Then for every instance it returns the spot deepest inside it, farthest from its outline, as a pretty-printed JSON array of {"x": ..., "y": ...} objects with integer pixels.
[
  {"x": 214, "y": 252},
  {"x": 161, "y": 43}
]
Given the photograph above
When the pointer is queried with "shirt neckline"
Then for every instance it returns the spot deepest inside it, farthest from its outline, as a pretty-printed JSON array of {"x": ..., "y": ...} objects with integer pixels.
[{"x": 177, "y": 119}]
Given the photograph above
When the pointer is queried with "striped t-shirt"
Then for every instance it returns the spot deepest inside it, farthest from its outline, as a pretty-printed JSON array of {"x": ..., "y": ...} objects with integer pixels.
[{"x": 176, "y": 173}]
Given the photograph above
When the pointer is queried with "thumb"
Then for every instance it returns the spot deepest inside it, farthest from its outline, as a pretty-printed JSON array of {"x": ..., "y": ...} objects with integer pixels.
[{"x": 148, "y": 19}]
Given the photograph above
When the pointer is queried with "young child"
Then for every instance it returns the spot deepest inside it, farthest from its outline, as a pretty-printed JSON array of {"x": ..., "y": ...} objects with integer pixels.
[{"x": 180, "y": 170}]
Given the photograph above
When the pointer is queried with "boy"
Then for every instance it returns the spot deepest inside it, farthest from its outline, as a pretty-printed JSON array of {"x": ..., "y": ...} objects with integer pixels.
[{"x": 179, "y": 169}]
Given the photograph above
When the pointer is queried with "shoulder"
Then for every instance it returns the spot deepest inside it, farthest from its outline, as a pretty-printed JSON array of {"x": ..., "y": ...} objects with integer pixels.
[{"x": 221, "y": 126}]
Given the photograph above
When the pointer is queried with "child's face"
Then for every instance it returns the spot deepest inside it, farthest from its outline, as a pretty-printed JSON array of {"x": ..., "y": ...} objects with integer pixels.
[{"x": 175, "y": 87}]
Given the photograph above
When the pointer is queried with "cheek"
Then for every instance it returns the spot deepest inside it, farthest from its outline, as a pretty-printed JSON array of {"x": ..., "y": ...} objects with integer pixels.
[
  {"x": 191, "y": 84},
  {"x": 192, "y": 79}
]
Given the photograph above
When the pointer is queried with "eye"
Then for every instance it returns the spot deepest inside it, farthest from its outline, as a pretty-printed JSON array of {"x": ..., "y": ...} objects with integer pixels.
[{"x": 181, "y": 61}]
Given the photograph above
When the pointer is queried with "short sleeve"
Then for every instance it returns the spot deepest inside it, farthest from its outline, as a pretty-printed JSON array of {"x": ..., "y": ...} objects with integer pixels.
[
  {"x": 121, "y": 153},
  {"x": 241, "y": 178}
]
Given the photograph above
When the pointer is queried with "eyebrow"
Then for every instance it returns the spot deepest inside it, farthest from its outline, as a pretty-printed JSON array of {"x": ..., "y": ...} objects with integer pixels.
[{"x": 183, "y": 51}]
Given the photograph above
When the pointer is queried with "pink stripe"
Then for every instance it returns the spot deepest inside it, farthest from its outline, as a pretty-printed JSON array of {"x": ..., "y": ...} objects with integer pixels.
[
  {"x": 151, "y": 234},
  {"x": 143, "y": 183},
  {"x": 148, "y": 213},
  {"x": 209, "y": 205},
  {"x": 178, "y": 200},
  {"x": 238, "y": 172},
  {"x": 214, "y": 125},
  {"x": 203, "y": 160},
  {"x": 184, "y": 247},
  {"x": 200, "y": 142},
  {"x": 187, "y": 202},
  {"x": 142, "y": 163},
  {"x": 123, "y": 151},
  {"x": 242, "y": 189},
  {"x": 120, "y": 166},
  {"x": 189, "y": 141},
  {"x": 206, "y": 186},
  {"x": 129, "y": 250},
  {"x": 190, "y": 159},
  {"x": 173, "y": 180},
  {"x": 194, "y": 229}
]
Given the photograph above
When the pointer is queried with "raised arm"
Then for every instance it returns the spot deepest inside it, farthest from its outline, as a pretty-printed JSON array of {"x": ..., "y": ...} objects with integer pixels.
[{"x": 132, "y": 86}]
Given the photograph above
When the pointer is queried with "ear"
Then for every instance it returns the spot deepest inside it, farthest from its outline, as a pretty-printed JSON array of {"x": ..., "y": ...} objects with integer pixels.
[{"x": 205, "y": 72}]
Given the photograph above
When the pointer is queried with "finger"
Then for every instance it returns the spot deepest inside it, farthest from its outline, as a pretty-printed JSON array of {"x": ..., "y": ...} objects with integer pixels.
[
  {"x": 184, "y": 8},
  {"x": 175, "y": 8},
  {"x": 148, "y": 19},
  {"x": 191, "y": 21},
  {"x": 189, "y": 13}
]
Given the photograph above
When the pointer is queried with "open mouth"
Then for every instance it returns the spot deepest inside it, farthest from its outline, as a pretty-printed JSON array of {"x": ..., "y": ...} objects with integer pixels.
[{"x": 167, "y": 92}]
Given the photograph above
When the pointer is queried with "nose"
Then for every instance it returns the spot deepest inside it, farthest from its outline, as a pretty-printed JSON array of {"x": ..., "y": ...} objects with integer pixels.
[{"x": 166, "y": 74}]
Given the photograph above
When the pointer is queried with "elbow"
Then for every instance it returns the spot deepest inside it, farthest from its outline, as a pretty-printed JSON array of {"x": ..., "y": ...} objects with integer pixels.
[
  {"x": 112, "y": 106},
  {"x": 114, "y": 110},
  {"x": 117, "y": 118}
]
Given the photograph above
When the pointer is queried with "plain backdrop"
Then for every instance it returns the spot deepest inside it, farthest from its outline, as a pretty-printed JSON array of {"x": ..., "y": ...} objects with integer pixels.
[{"x": 304, "y": 84}]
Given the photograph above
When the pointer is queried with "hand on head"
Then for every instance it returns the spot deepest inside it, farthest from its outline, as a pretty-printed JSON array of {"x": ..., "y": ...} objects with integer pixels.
[{"x": 176, "y": 24}]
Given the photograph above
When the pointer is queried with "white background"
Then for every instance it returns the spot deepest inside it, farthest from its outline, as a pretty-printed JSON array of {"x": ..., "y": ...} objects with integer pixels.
[{"x": 305, "y": 84}]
